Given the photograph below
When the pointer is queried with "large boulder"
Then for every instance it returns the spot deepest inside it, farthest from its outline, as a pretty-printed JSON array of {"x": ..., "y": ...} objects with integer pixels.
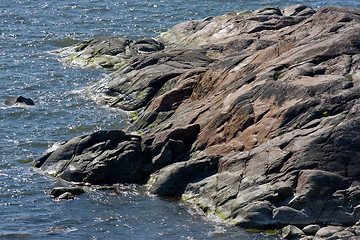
[
  {"x": 99, "y": 158},
  {"x": 108, "y": 157}
]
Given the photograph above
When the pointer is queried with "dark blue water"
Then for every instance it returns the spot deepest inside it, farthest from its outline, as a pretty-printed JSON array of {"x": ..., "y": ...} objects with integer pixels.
[{"x": 28, "y": 31}]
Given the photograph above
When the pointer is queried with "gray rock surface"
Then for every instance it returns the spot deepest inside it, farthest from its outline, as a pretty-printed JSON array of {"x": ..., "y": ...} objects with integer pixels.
[
  {"x": 311, "y": 229},
  {"x": 291, "y": 232},
  {"x": 329, "y": 231},
  {"x": 99, "y": 158},
  {"x": 253, "y": 115}
]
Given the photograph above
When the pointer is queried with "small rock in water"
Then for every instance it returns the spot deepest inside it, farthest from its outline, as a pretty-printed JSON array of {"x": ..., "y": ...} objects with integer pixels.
[
  {"x": 19, "y": 99},
  {"x": 66, "y": 196},
  {"x": 57, "y": 192}
]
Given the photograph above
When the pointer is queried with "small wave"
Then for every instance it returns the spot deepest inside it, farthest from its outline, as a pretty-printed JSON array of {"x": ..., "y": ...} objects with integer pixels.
[
  {"x": 61, "y": 230},
  {"x": 17, "y": 105},
  {"x": 82, "y": 128}
]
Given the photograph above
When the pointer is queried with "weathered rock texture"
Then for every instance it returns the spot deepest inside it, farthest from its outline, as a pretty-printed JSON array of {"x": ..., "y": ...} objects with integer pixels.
[{"x": 254, "y": 115}]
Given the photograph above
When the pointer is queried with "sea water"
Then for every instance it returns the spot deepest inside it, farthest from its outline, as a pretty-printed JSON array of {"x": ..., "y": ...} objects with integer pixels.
[{"x": 29, "y": 30}]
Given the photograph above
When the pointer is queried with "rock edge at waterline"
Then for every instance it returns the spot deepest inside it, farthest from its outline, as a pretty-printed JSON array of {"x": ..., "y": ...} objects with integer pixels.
[{"x": 254, "y": 115}]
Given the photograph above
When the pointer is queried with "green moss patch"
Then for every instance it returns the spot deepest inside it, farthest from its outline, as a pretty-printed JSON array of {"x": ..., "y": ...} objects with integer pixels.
[
  {"x": 134, "y": 115},
  {"x": 277, "y": 75}
]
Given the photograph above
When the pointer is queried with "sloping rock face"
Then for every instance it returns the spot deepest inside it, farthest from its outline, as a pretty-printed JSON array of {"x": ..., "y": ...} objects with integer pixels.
[
  {"x": 107, "y": 157},
  {"x": 253, "y": 115}
]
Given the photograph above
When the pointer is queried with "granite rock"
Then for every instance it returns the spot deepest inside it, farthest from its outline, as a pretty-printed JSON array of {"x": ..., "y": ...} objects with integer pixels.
[{"x": 253, "y": 115}]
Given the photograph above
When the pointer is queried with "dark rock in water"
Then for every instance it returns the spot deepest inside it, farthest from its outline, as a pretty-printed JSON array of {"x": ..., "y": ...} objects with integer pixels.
[
  {"x": 45, "y": 155},
  {"x": 58, "y": 191},
  {"x": 107, "y": 157},
  {"x": 99, "y": 158},
  {"x": 66, "y": 196},
  {"x": 253, "y": 115},
  {"x": 19, "y": 99}
]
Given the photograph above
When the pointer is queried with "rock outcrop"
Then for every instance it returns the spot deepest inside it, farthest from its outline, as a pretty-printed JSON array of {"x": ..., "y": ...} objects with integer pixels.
[{"x": 254, "y": 115}]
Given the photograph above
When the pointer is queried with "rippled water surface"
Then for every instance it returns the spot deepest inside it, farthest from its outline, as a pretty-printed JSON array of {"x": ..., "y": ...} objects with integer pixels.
[{"x": 28, "y": 31}]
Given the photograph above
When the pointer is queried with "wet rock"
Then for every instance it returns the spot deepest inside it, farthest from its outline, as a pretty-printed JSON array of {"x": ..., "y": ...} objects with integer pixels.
[
  {"x": 58, "y": 191},
  {"x": 291, "y": 232},
  {"x": 99, "y": 158},
  {"x": 107, "y": 157},
  {"x": 66, "y": 196},
  {"x": 10, "y": 101},
  {"x": 311, "y": 229},
  {"x": 45, "y": 155}
]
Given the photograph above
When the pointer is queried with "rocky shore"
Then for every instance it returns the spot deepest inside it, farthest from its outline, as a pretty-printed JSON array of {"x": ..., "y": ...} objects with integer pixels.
[{"x": 253, "y": 116}]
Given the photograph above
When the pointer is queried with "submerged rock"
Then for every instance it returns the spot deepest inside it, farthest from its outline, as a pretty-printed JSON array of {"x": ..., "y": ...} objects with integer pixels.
[{"x": 253, "y": 115}]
